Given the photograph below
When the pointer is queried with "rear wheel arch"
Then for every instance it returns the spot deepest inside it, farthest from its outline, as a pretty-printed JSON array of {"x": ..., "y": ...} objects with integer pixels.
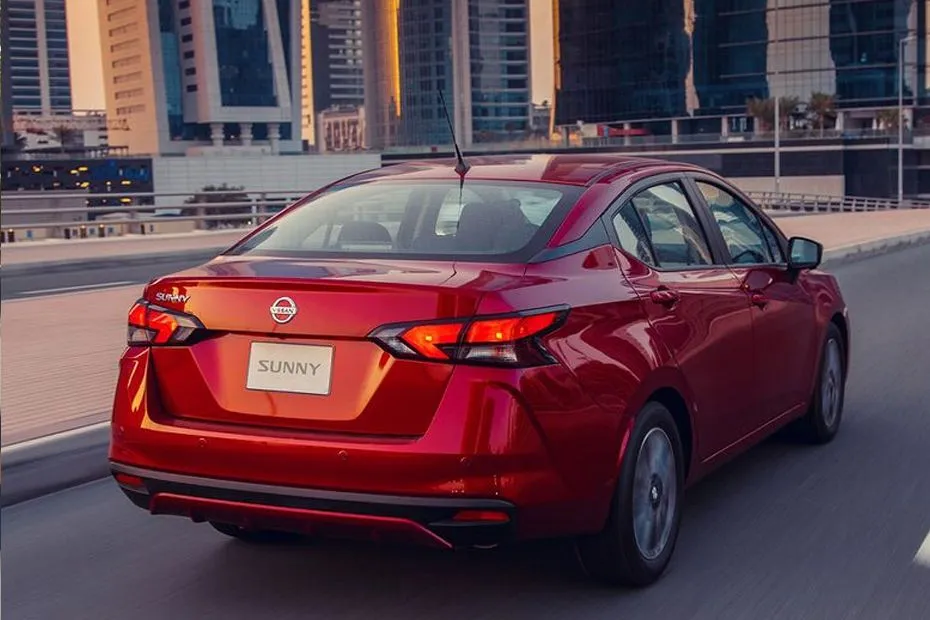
[
  {"x": 672, "y": 400},
  {"x": 667, "y": 386}
]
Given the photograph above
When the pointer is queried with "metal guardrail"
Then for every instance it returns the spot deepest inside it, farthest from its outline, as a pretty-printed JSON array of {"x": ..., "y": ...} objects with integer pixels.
[
  {"x": 257, "y": 206},
  {"x": 530, "y": 144},
  {"x": 828, "y": 204},
  {"x": 660, "y": 140}
]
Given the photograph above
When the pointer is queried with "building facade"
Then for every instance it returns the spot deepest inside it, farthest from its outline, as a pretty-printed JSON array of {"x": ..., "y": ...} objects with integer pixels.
[
  {"x": 700, "y": 60},
  {"x": 336, "y": 42},
  {"x": 475, "y": 52},
  {"x": 36, "y": 39},
  {"x": 80, "y": 129},
  {"x": 6, "y": 92},
  {"x": 341, "y": 129},
  {"x": 203, "y": 76},
  {"x": 332, "y": 60}
]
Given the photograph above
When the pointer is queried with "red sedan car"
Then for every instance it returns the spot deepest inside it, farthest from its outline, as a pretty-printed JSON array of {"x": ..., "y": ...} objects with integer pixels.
[{"x": 540, "y": 346}]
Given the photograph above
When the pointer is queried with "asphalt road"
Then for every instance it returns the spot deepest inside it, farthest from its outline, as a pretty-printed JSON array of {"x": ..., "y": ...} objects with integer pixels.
[
  {"x": 19, "y": 286},
  {"x": 786, "y": 531}
]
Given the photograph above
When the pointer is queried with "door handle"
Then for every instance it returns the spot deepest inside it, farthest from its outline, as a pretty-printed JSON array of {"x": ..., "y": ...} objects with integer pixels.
[
  {"x": 664, "y": 297},
  {"x": 758, "y": 299}
]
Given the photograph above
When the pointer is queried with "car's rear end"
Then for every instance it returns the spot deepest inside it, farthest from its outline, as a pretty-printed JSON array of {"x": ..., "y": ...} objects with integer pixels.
[{"x": 376, "y": 362}]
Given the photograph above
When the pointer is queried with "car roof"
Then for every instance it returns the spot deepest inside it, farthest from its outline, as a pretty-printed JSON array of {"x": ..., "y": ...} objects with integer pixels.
[{"x": 580, "y": 169}]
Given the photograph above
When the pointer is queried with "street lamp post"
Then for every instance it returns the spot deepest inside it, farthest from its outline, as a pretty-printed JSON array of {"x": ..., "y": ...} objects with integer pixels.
[
  {"x": 777, "y": 102},
  {"x": 901, "y": 65}
]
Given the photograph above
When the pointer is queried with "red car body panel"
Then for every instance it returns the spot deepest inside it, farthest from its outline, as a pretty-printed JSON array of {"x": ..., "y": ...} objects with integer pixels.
[{"x": 542, "y": 444}]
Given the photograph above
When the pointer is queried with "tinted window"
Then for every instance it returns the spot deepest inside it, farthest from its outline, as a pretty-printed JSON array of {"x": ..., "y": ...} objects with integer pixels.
[
  {"x": 663, "y": 216},
  {"x": 748, "y": 240},
  {"x": 632, "y": 234},
  {"x": 419, "y": 220}
]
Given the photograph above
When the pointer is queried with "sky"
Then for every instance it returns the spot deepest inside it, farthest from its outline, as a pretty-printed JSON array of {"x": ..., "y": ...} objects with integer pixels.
[{"x": 87, "y": 71}]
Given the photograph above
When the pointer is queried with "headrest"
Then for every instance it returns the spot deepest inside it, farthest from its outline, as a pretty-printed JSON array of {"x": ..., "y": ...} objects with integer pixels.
[
  {"x": 364, "y": 232},
  {"x": 483, "y": 224}
]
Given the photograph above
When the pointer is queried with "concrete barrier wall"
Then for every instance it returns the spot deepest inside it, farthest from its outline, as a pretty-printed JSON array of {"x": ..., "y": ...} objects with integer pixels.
[{"x": 255, "y": 173}]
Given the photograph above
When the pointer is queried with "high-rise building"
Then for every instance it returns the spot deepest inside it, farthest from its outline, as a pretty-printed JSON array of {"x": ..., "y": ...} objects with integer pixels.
[
  {"x": 696, "y": 61},
  {"x": 6, "y": 92},
  {"x": 36, "y": 39},
  {"x": 336, "y": 40},
  {"x": 307, "y": 113},
  {"x": 194, "y": 75},
  {"x": 331, "y": 32},
  {"x": 476, "y": 52}
]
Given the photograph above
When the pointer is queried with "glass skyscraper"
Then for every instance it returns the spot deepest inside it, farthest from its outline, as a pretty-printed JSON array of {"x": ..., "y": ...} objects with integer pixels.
[
  {"x": 476, "y": 52},
  {"x": 630, "y": 60},
  {"x": 6, "y": 106},
  {"x": 37, "y": 44}
]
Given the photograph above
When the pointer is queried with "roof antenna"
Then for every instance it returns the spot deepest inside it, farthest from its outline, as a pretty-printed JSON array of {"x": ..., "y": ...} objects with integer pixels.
[{"x": 461, "y": 166}]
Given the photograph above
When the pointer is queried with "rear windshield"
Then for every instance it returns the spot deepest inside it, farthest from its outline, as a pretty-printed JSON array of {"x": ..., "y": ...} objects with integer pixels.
[{"x": 482, "y": 220}]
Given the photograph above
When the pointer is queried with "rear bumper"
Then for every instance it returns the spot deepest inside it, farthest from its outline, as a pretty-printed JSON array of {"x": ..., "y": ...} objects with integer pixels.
[
  {"x": 443, "y": 523},
  {"x": 515, "y": 436}
]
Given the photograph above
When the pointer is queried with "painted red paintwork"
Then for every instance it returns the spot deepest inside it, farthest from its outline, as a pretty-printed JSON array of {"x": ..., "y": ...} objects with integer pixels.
[{"x": 548, "y": 439}]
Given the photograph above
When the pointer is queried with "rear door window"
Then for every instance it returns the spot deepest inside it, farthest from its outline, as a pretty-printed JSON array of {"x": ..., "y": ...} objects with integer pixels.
[
  {"x": 430, "y": 220},
  {"x": 659, "y": 226}
]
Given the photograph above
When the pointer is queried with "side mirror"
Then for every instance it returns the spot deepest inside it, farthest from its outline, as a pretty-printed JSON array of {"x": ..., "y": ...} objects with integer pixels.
[{"x": 804, "y": 253}]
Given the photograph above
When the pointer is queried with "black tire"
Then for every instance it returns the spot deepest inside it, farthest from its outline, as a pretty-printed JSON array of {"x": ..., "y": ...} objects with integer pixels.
[
  {"x": 822, "y": 421},
  {"x": 262, "y": 537},
  {"x": 613, "y": 555}
]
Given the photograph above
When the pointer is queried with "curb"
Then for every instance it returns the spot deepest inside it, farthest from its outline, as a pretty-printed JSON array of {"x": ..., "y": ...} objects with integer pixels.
[
  {"x": 54, "y": 463},
  {"x": 861, "y": 251},
  {"x": 43, "y": 466},
  {"x": 125, "y": 260}
]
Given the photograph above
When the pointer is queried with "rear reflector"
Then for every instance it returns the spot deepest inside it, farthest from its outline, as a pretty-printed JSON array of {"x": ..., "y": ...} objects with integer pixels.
[
  {"x": 126, "y": 480},
  {"x": 481, "y": 516},
  {"x": 511, "y": 340}
]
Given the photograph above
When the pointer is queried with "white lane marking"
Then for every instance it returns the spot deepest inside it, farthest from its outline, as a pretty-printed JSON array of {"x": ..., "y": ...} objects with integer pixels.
[
  {"x": 923, "y": 554},
  {"x": 40, "y": 441},
  {"x": 70, "y": 289}
]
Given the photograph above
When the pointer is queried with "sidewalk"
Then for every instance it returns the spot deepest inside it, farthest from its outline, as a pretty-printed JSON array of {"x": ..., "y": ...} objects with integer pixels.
[
  {"x": 60, "y": 352},
  {"x": 841, "y": 232}
]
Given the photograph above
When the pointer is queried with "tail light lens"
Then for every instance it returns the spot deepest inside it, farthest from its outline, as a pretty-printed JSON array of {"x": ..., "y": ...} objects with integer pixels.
[
  {"x": 153, "y": 325},
  {"x": 510, "y": 340}
]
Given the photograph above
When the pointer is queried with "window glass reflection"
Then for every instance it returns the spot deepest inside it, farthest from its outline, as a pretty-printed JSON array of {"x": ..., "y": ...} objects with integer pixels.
[{"x": 246, "y": 72}]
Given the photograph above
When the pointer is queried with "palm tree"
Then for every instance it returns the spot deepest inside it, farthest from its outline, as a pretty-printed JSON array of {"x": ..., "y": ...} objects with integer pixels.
[
  {"x": 821, "y": 107},
  {"x": 763, "y": 110},
  {"x": 220, "y": 194},
  {"x": 65, "y": 135},
  {"x": 887, "y": 118}
]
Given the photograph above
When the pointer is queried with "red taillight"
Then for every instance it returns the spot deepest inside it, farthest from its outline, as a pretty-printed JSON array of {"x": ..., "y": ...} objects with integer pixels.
[
  {"x": 153, "y": 325},
  {"x": 431, "y": 340},
  {"x": 498, "y": 340},
  {"x": 485, "y": 331}
]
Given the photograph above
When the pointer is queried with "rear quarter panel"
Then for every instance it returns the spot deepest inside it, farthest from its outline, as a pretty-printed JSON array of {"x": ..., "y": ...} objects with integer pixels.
[{"x": 613, "y": 358}]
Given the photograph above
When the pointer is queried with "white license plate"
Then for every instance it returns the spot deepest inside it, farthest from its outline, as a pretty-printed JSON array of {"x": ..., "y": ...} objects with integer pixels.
[{"x": 296, "y": 368}]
